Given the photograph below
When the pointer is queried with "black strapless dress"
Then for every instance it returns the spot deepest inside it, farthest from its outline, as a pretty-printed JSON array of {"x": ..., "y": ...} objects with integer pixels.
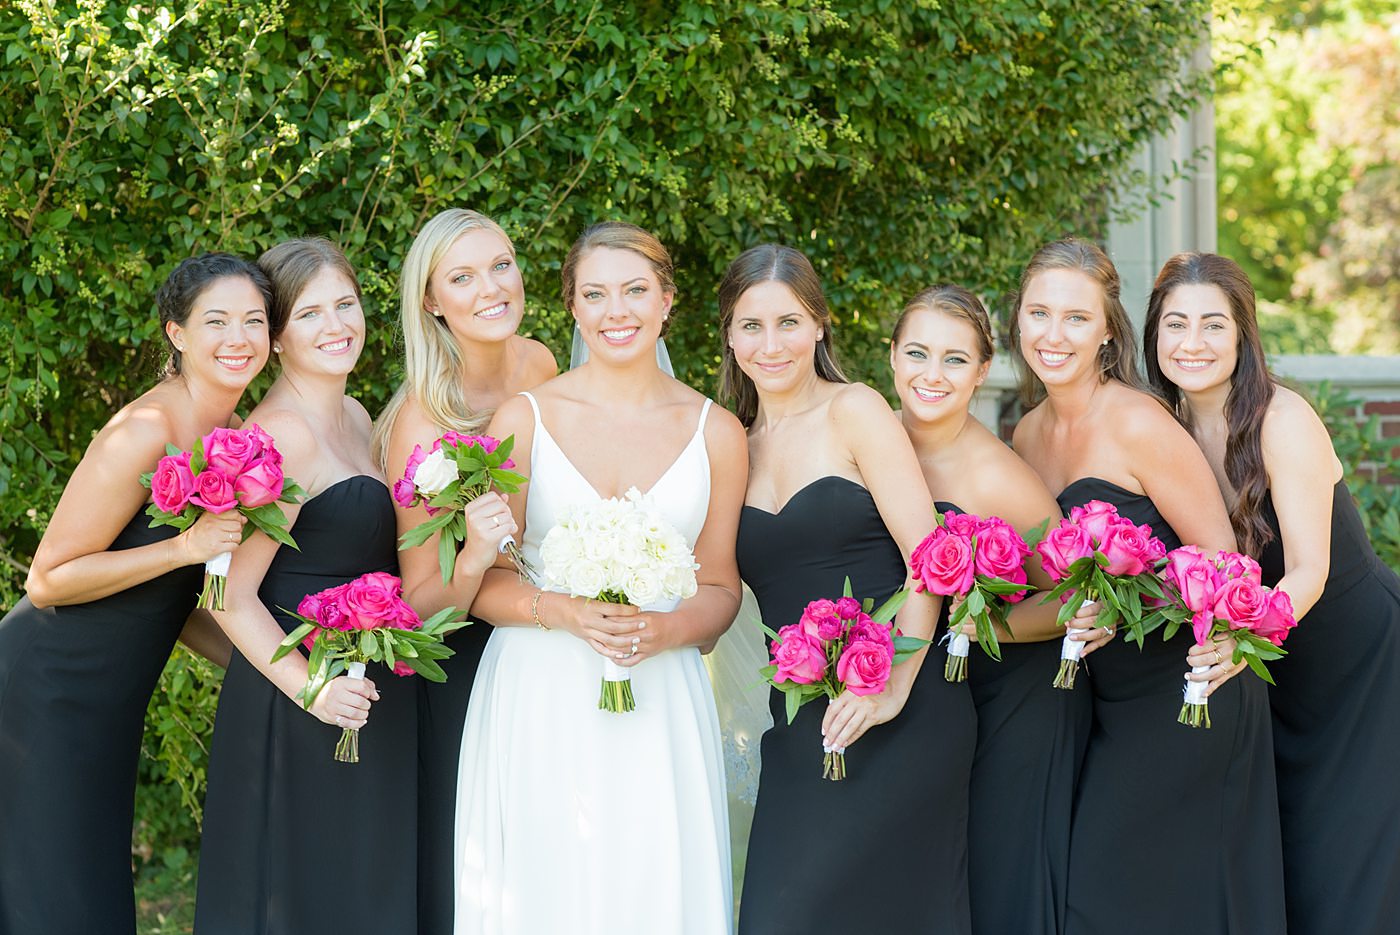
[
  {"x": 886, "y": 849},
  {"x": 74, "y": 684},
  {"x": 295, "y": 842},
  {"x": 1030, "y": 744},
  {"x": 1336, "y": 709},
  {"x": 1175, "y": 828}
]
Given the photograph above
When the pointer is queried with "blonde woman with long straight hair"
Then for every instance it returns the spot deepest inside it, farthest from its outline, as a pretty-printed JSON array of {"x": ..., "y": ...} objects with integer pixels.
[{"x": 462, "y": 300}]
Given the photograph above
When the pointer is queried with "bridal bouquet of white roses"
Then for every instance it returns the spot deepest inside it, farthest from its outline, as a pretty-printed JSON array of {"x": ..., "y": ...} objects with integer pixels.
[{"x": 621, "y": 551}]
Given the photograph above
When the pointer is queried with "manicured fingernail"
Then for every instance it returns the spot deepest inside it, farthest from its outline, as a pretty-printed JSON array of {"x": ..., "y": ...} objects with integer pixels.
[
  {"x": 642, "y": 625},
  {"x": 841, "y": 750},
  {"x": 826, "y": 747},
  {"x": 620, "y": 655}
]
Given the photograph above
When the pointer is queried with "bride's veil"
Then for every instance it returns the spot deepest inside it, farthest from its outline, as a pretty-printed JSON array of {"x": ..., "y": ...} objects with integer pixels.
[{"x": 741, "y": 696}]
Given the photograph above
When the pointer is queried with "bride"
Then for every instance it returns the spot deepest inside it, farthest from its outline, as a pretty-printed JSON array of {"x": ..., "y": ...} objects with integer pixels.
[{"x": 572, "y": 819}]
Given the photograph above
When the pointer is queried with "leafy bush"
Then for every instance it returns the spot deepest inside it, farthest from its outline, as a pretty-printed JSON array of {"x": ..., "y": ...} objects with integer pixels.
[
  {"x": 898, "y": 143},
  {"x": 1372, "y": 466}
]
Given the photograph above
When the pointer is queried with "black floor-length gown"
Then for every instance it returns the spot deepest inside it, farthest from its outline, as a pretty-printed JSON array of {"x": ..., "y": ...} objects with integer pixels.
[
  {"x": 296, "y": 843},
  {"x": 1175, "y": 828},
  {"x": 1030, "y": 744},
  {"x": 885, "y": 850},
  {"x": 1336, "y": 707},
  {"x": 74, "y": 685}
]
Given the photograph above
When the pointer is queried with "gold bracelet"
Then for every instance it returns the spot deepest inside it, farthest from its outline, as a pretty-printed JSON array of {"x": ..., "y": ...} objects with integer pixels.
[{"x": 535, "y": 610}]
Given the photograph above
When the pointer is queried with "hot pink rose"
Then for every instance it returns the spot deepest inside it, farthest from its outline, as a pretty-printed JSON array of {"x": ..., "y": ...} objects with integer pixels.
[
  {"x": 259, "y": 484},
  {"x": 1241, "y": 603},
  {"x": 1001, "y": 553},
  {"x": 942, "y": 563},
  {"x": 488, "y": 444},
  {"x": 1094, "y": 518},
  {"x": 372, "y": 600},
  {"x": 1062, "y": 547},
  {"x": 820, "y": 619},
  {"x": 848, "y": 608},
  {"x": 1128, "y": 551},
  {"x": 214, "y": 492},
  {"x": 864, "y": 667},
  {"x": 228, "y": 451},
  {"x": 1277, "y": 618},
  {"x": 402, "y": 670},
  {"x": 1235, "y": 565},
  {"x": 408, "y": 618},
  {"x": 309, "y": 641},
  {"x": 799, "y": 657},
  {"x": 404, "y": 492},
  {"x": 961, "y": 524},
  {"x": 172, "y": 483},
  {"x": 868, "y": 631}
]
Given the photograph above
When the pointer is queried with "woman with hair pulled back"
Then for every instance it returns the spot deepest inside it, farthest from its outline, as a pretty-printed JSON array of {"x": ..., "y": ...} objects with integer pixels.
[
  {"x": 107, "y": 597},
  {"x": 570, "y": 818},
  {"x": 1336, "y": 701},
  {"x": 1030, "y": 736},
  {"x": 275, "y": 789},
  {"x": 461, "y": 303},
  {"x": 1188, "y": 817},
  {"x": 835, "y": 492}
]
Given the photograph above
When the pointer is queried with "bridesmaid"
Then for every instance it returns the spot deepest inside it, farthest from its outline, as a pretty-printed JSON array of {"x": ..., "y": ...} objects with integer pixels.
[
  {"x": 293, "y": 840},
  {"x": 107, "y": 598},
  {"x": 1030, "y": 736},
  {"x": 834, "y": 491},
  {"x": 1195, "y": 809},
  {"x": 1336, "y": 707},
  {"x": 462, "y": 301}
]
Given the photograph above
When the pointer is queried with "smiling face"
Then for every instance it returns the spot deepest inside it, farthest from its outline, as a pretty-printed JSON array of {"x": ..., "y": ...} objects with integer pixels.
[
  {"x": 1063, "y": 324},
  {"x": 1197, "y": 338},
  {"x": 619, "y": 304},
  {"x": 476, "y": 288},
  {"x": 225, "y": 338},
  {"x": 936, "y": 365},
  {"x": 325, "y": 329},
  {"x": 774, "y": 337}
]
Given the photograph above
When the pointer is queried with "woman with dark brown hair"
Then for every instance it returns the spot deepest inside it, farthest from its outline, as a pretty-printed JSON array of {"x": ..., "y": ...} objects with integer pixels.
[
  {"x": 835, "y": 493},
  {"x": 1174, "y": 829},
  {"x": 1336, "y": 704},
  {"x": 1030, "y": 736}
]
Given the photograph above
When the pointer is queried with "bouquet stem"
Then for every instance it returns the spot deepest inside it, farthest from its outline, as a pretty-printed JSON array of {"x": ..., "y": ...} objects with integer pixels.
[
  {"x": 955, "y": 666},
  {"x": 834, "y": 766},
  {"x": 616, "y": 694},
  {"x": 1195, "y": 708},
  {"x": 1071, "y": 651},
  {"x": 528, "y": 573},
  {"x": 347, "y": 750},
  {"x": 215, "y": 574}
]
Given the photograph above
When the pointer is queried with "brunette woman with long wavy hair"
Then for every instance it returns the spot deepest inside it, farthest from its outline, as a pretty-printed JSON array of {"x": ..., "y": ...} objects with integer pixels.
[
  {"x": 1336, "y": 705},
  {"x": 1195, "y": 809}
]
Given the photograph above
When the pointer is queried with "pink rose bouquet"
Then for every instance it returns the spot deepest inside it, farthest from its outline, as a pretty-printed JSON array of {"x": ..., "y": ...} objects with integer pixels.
[
  {"x": 452, "y": 473},
  {"x": 1221, "y": 595},
  {"x": 228, "y": 469},
  {"x": 1096, "y": 555},
  {"x": 982, "y": 563},
  {"x": 362, "y": 621},
  {"x": 837, "y": 646}
]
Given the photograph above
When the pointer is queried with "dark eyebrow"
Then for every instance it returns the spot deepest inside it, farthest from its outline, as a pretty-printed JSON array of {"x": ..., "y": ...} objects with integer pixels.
[
  {"x": 599, "y": 285},
  {"x": 1206, "y": 315},
  {"x": 909, "y": 344}
]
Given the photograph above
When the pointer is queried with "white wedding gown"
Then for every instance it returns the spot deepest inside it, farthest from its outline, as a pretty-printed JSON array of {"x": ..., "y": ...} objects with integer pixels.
[{"x": 575, "y": 820}]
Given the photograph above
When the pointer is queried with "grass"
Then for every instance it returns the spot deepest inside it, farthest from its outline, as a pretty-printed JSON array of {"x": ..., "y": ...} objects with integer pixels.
[{"x": 165, "y": 894}]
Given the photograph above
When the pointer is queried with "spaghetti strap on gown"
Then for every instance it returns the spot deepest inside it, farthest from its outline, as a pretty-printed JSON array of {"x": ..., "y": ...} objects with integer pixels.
[
  {"x": 1336, "y": 711},
  {"x": 1175, "y": 829},
  {"x": 884, "y": 850},
  {"x": 294, "y": 841},
  {"x": 74, "y": 684},
  {"x": 1031, "y": 739},
  {"x": 571, "y": 819}
]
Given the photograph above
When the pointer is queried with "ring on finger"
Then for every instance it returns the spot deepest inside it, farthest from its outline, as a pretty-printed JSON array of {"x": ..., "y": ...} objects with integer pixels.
[{"x": 1217, "y": 657}]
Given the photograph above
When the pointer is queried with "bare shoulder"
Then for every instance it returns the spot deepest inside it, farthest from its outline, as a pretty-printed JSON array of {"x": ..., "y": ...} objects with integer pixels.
[
  {"x": 1009, "y": 484},
  {"x": 1025, "y": 437},
  {"x": 1289, "y": 415},
  {"x": 515, "y": 413},
  {"x": 358, "y": 415},
  {"x": 1142, "y": 417},
  {"x": 724, "y": 432},
  {"x": 854, "y": 402},
  {"x": 291, "y": 430},
  {"x": 540, "y": 364}
]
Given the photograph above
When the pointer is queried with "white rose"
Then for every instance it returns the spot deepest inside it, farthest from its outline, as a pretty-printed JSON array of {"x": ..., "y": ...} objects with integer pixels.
[
  {"x": 643, "y": 586},
  {"x": 585, "y": 578},
  {"x": 680, "y": 582},
  {"x": 434, "y": 474}
]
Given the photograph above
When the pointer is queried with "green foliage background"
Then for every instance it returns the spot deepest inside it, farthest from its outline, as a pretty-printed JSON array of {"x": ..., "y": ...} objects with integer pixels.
[{"x": 898, "y": 142}]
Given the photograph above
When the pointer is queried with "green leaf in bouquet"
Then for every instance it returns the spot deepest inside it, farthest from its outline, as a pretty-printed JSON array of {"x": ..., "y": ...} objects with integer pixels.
[
  {"x": 1070, "y": 607},
  {"x": 890, "y": 607},
  {"x": 958, "y": 615},
  {"x": 846, "y": 588},
  {"x": 476, "y": 478},
  {"x": 292, "y": 492},
  {"x": 172, "y": 450},
  {"x": 793, "y": 698},
  {"x": 502, "y": 453},
  {"x": 447, "y": 497},
  {"x": 768, "y": 631},
  {"x": 906, "y": 646},
  {"x": 273, "y": 529},
  {"x": 387, "y": 640},
  {"x": 292, "y": 639},
  {"x": 447, "y": 556},
  {"x": 1000, "y": 586},
  {"x": 434, "y": 651},
  {"x": 146, "y": 478},
  {"x": 507, "y": 481},
  {"x": 1152, "y": 586},
  {"x": 369, "y": 644},
  {"x": 197, "y": 462},
  {"x": 986, "y": 635},
  {"x": 976, "y": 603},
  {"x": 427, "y": 668},
  {"x": 769, "y": 671},
  {"x": 1037, "y": 532},
  {"x": 420, "y": 533}
]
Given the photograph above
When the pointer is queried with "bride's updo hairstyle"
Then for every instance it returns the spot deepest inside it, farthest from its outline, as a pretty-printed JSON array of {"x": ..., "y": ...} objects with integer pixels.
[
  {"x": 1118, "y": 359},
  {"x": 771, "y": 263},
  {"x": 619, "y": 235},
  {"x": 432, "y": 359}
]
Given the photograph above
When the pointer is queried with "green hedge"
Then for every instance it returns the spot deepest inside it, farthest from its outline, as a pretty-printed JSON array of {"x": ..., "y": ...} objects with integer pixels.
[{"x": 897, "y": 142}]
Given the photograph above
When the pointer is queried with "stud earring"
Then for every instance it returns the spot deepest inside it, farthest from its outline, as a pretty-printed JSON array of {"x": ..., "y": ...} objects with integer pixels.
[{"x": 276, "y": 348}]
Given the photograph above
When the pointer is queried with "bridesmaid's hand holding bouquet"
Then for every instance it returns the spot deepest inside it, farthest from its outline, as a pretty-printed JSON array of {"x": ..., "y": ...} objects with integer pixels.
[
  {"x": 228, "y": 469},
  {"x": 366, "y": 620},
  {"x": 981, "y": 564},
  {"x": 837, "y": 646}
]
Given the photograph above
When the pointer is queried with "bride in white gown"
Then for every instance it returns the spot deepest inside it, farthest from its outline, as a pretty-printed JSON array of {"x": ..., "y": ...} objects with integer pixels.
[{"x": 571, "y": 819}]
